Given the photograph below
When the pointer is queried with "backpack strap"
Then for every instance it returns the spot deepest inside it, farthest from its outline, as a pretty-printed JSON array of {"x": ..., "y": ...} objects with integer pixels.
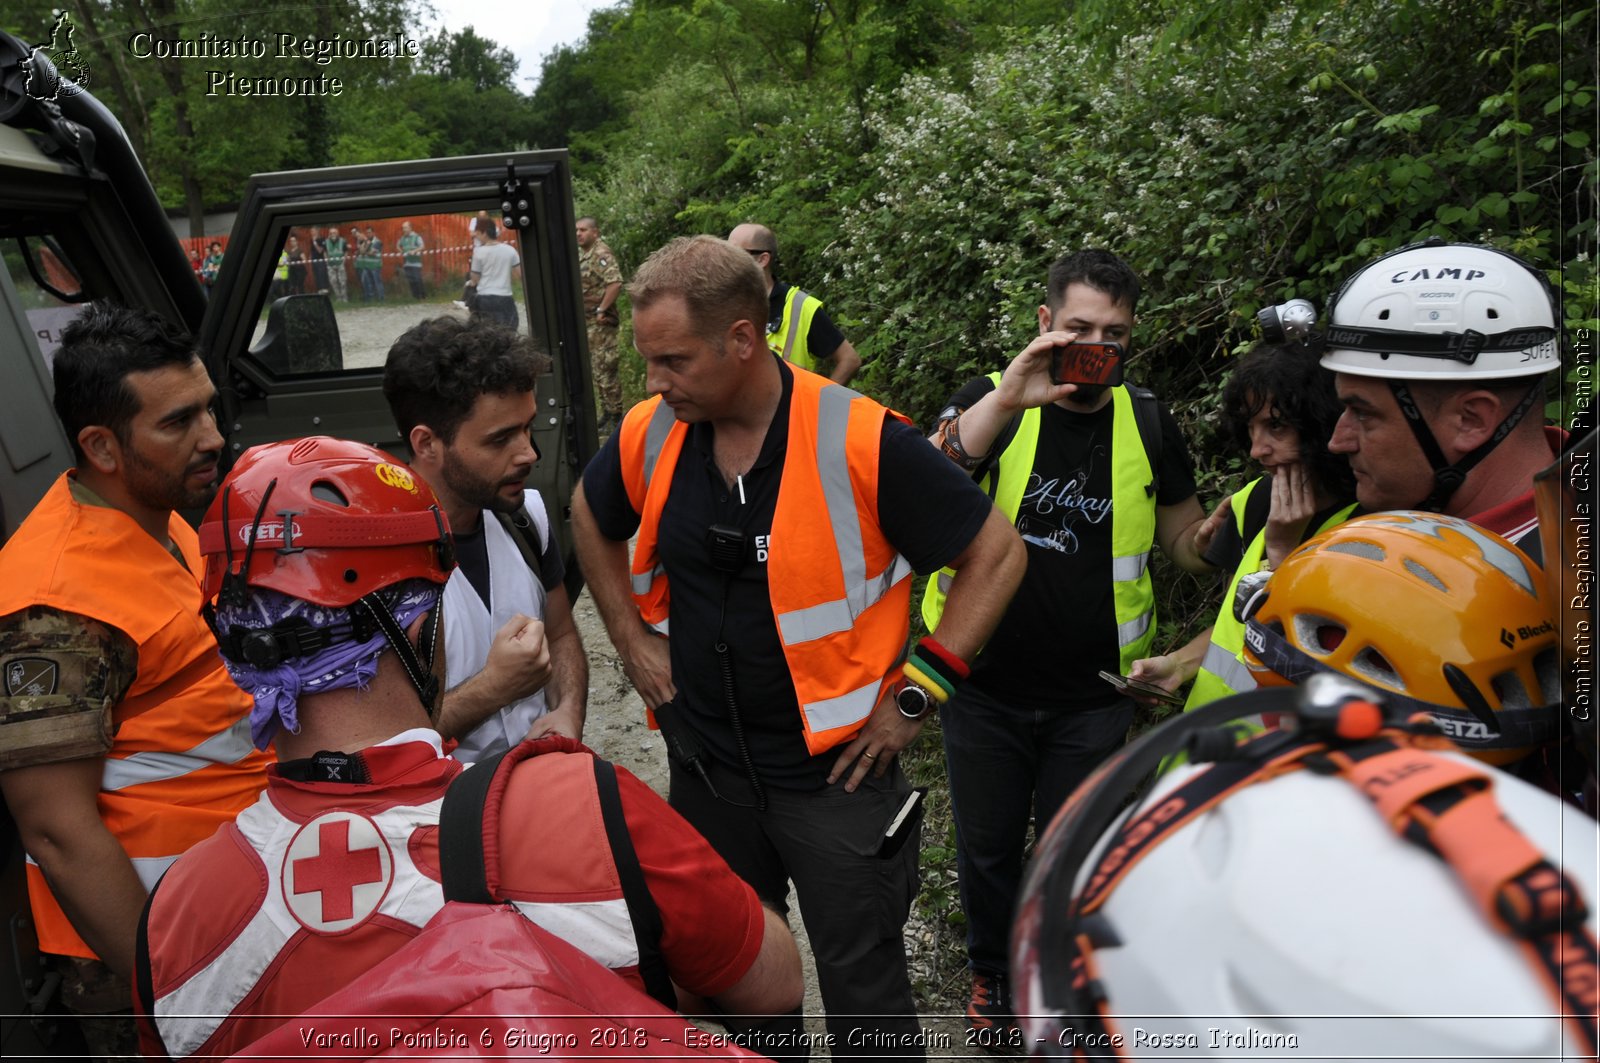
[
  {"x": 144, "y": 980},
  {"x": 461, "y": 860},
  {"x": 1147, "y": 417},
  {"x": 990, "y": 466},
  {"x": 524, "y": 531},
  {"x": 461, "y": 856},
  {"x": 1448, "y": 808},
  {"x": 1443, "y": 806},
  {"x": 642, "y": 909}
]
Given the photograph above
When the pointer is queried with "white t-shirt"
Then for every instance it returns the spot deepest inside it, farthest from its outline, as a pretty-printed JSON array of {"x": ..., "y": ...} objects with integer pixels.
[{"x": 493, "y": 263}]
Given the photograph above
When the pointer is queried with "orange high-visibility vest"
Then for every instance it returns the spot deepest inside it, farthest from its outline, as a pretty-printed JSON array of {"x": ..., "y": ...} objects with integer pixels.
[
  {"x": 181, "y": 762},
  {"x": 840, "y": 591}
]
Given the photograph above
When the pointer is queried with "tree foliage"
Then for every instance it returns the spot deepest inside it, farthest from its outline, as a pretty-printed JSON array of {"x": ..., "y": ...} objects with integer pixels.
[{"x": 922, "y": 162}]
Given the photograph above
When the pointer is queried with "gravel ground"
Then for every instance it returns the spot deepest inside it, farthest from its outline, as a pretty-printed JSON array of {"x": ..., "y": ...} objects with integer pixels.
[{"x": 367, "y": 330}]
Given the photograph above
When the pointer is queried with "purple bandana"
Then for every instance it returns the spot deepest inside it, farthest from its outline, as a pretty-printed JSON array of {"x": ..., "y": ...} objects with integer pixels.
[{"x": 344, "y": 664}]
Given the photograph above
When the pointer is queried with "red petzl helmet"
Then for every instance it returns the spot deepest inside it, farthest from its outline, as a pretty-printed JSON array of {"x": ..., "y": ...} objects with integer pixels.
[{"x": 324, "y": 520}]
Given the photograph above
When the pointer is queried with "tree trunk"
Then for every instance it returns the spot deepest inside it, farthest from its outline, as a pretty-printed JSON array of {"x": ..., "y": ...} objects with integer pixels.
[{"x": 124, "y": 86}]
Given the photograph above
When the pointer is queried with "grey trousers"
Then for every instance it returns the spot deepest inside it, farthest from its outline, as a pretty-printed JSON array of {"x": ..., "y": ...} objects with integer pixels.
[{"x": 853, "y": 901}]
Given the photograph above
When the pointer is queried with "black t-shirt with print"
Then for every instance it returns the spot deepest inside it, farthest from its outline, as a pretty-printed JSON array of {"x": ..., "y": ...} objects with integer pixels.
[
  {"x": 1060, "y": 630},
  {"x": 927, "y": 507}
]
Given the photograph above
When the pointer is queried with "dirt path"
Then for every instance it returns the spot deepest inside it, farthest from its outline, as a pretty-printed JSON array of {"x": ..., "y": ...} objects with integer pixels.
[{"x": 616, "y": 730}]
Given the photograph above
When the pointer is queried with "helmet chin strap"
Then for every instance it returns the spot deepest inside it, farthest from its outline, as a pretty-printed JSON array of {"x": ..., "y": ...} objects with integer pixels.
[
  {"x": 419, "y": 671},
  {"x": 1447, "y": 477}
]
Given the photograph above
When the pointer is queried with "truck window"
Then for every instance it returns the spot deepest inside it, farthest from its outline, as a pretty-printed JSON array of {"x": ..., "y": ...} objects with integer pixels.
[
  {"x": 341, "y": 292},
  {"x": 46, "y": 285}
]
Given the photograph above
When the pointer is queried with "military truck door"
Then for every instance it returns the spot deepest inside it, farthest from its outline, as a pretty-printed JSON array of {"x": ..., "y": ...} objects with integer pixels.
[{"x": 299, "y": 325}]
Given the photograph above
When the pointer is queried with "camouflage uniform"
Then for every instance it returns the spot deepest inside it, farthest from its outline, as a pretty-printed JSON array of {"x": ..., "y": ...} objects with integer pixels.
[
  {"x": 598, "y": 267},
  {"x": 60, "y": 675}
]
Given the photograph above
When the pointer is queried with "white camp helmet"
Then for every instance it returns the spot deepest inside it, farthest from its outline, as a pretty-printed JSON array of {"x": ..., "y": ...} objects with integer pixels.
[
  {"x": 1444, "y": 312},
  {"x": 1289, "y": 920}
]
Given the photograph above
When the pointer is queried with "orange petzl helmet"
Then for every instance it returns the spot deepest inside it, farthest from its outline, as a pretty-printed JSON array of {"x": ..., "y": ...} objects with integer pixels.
[
  {"x": 324, "y": 520},
  {"x": 1449, "y": 618}
]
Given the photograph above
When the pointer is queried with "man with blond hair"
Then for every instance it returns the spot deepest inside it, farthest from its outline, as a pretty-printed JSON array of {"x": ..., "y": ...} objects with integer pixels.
[{"x": 788, "y": 532}]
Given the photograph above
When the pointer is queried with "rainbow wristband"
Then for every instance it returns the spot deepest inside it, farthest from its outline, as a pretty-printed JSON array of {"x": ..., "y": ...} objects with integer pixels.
[{"x": 935, "y": 669}]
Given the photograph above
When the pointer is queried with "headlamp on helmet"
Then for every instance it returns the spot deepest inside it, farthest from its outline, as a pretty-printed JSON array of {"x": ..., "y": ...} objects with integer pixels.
[
  {"x": 1290, "y": 322},
  {"x": 1431, "y": 311}
]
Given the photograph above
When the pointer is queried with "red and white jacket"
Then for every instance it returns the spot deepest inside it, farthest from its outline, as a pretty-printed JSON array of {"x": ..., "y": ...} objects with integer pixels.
[{"x": 320, "y": 881}]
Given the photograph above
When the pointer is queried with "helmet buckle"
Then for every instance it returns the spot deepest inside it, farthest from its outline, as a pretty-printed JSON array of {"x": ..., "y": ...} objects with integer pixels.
[{"x": 1464, "y": 346}]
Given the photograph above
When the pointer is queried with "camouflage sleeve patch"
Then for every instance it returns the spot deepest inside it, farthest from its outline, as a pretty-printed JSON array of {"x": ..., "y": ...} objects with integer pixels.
[
  {"x": 610, "y": 272},
  {"x": 60, "y": 675}
]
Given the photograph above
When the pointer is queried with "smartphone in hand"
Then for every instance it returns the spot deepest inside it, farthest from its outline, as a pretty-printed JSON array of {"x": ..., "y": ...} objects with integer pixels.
[
  {"x": 1142, "y": 689},
  {"x": 1086, "y": 363}
]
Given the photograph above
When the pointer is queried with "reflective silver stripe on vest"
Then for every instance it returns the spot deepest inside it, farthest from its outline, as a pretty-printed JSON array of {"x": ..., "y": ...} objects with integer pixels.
[
  {"x": 1127, "y": 569},
  {"x": 819, "y": 621},
  {"x": 843, "y": 710},
  {"x": 1226, "y": 666},
  {"x": 228, "y": 747},
  {"x": 860, "y": 591},
  {"x": 792, "y": 314},
  {"x": 191, "y": 1013},
  {"x": 1131, "y": 631},
  {"x": 655, "y": 437},
  {"x": 151, "y": 868}
]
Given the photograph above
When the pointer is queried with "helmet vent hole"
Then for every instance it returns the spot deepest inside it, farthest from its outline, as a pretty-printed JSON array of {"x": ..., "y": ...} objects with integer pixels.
[
  {"x": 1510, "y": 691},
  {"x": 1423, "y": 573},
  {"x": 327, "y": 492},
  {"x": 1383, "y": 315},
  {"x": 1317, "y": 635},
  {"x": 1371, "y": 665},
  {"x": 350, "y": 575},
  {"x": 1360, "y": 548},
  {"x": 1493, "y": 313},
  {"x": 1547, "y": 669}
]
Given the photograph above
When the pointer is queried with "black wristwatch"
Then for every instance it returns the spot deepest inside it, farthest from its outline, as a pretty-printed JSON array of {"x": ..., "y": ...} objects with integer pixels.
[{"x": 913, "y": 702}]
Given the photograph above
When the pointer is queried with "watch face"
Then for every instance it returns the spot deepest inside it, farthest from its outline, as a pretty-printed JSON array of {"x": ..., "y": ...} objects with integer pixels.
[{"x": 913, "y": 701}]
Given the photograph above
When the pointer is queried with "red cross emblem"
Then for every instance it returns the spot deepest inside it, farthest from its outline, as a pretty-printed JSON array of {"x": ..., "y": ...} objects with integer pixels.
[{"x": 336, "y": 872}]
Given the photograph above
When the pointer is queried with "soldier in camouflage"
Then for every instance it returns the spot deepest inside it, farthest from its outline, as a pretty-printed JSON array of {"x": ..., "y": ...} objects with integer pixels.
[
  {"x": 122, "y": 739},
  {"x": 602, "y": 283}
]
